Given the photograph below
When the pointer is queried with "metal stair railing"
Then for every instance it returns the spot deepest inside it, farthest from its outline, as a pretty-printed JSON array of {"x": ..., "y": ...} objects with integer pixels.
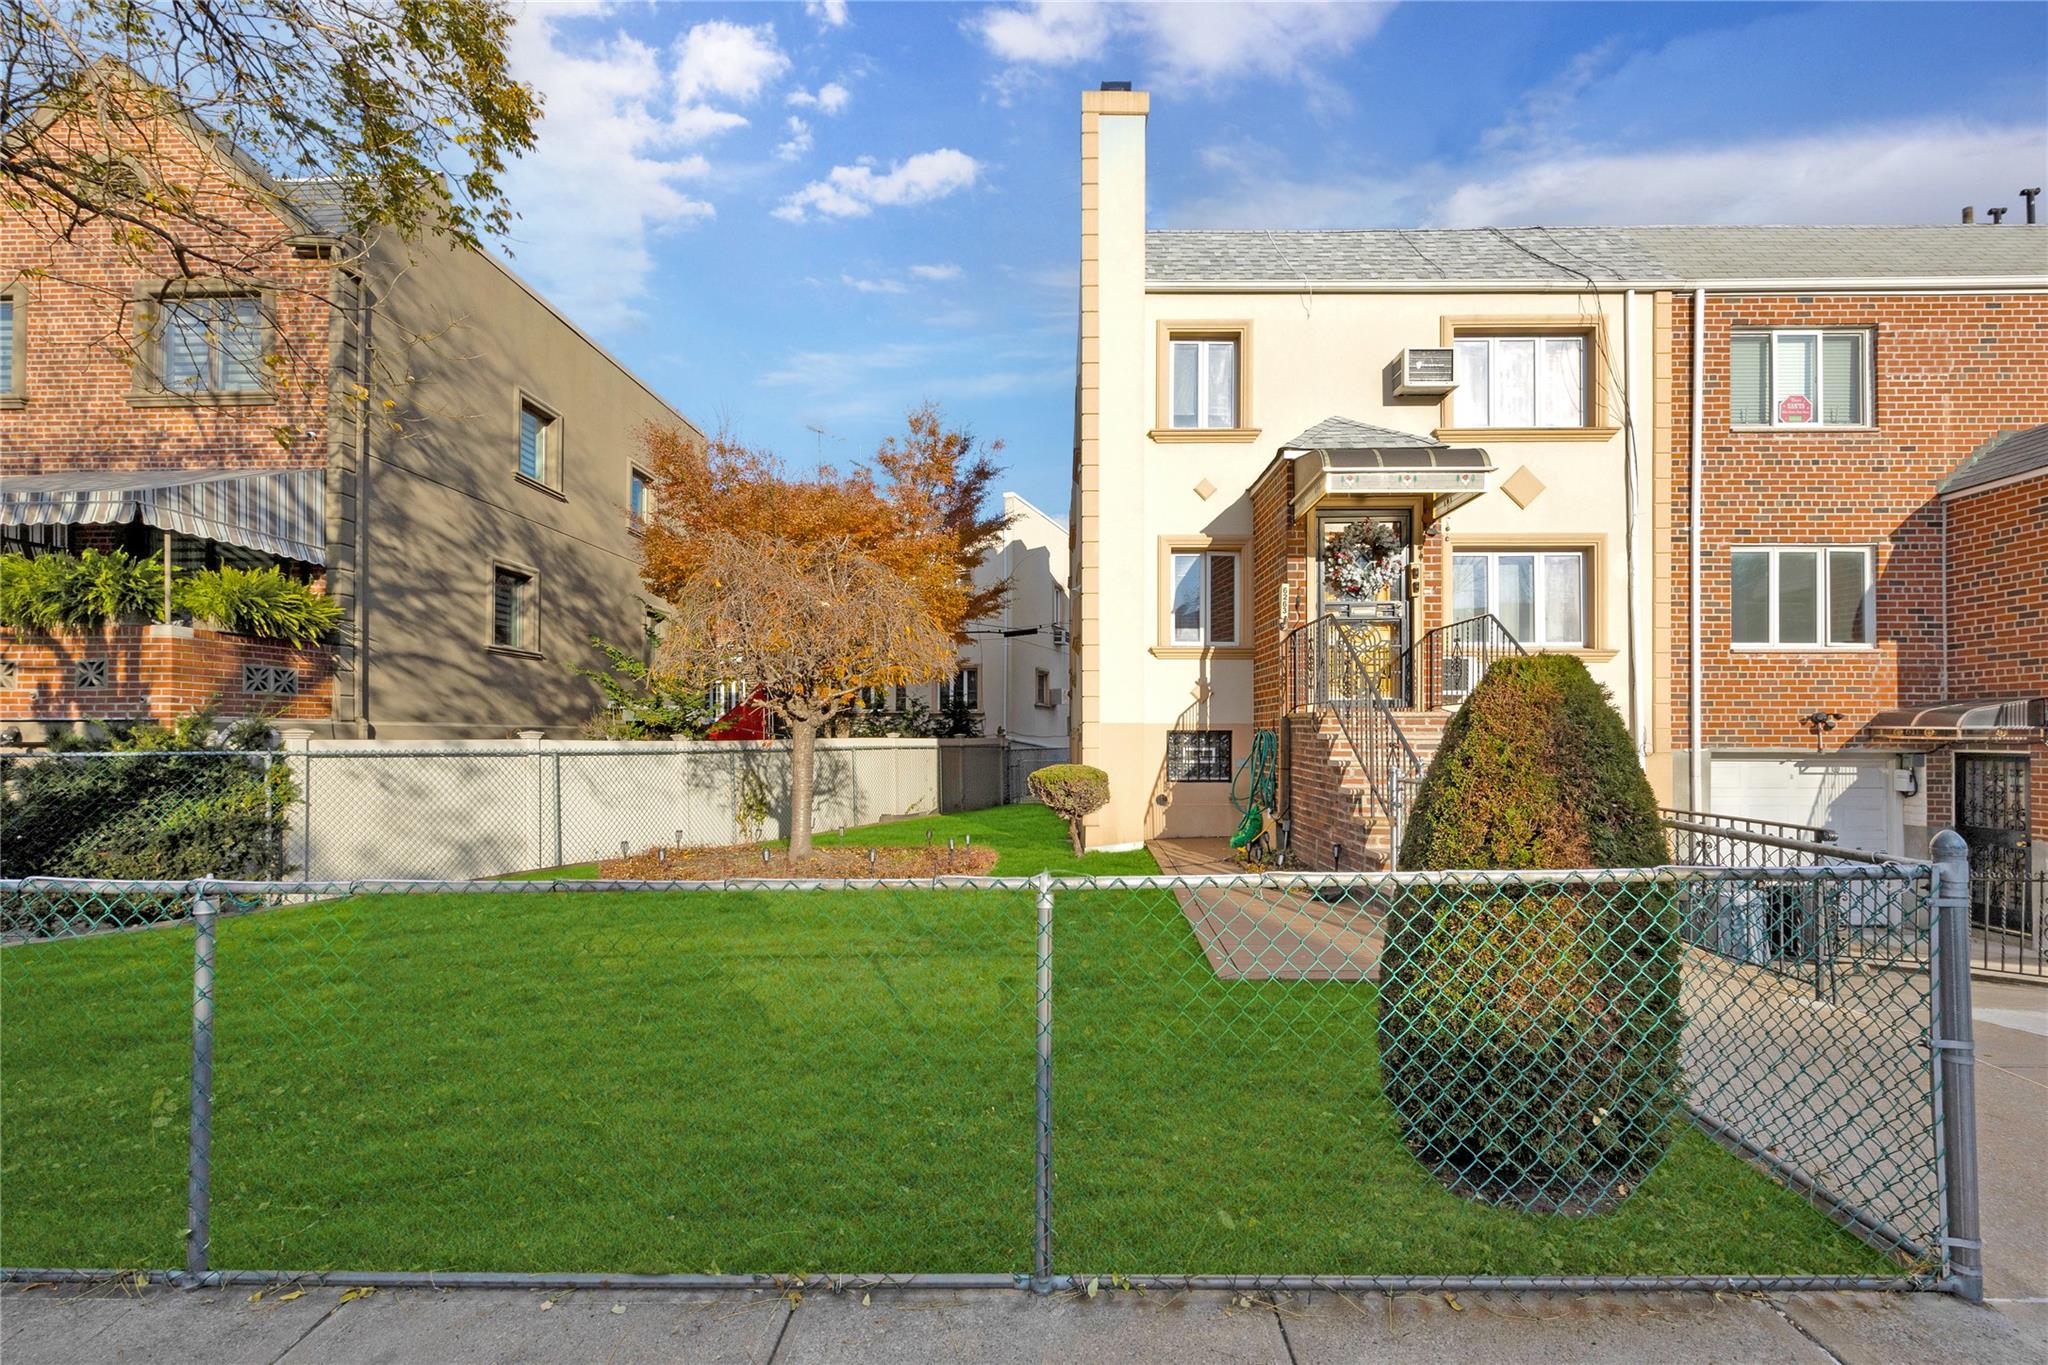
[
  {"x": 1445, "y": 664},
  {"x": 1330, "y": 674}
]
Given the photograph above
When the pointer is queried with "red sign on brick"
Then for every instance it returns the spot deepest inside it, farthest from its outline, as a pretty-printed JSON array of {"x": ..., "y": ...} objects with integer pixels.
[{"x": 1795, "y": 407}]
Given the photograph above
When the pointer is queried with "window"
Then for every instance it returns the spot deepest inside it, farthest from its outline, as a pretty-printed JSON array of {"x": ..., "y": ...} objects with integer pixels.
[
  {"x": 1203, "y": 606},
  {"x": 1539, "y": 595},
  {"x": 1042, "y": 687},
  {"x": 963, "y": 691},
  {"x": 637, "y": 490},
  {"x": 212, "y": 344},
  {"x": 512, "y": 610},
  {"x": 1509, "y": 381},
  {"x": 1198, "y": 755},
  {"x": 1204, "y": 383},
  {"x": 1815, "y": 596},
  {"x": 1799, "y": 379},
  {"x": 10, "y": 348},
  {"x": 540, "y": 440}
]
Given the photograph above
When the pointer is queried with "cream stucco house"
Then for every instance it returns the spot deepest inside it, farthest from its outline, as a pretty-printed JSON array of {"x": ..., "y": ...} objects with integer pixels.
[{"x": 1243, "y": 398}]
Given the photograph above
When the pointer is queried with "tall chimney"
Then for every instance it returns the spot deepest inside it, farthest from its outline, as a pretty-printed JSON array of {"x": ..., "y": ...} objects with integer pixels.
[
  {"x": 1969, "y": 213},
  {"x": 2030, "y": 196}
]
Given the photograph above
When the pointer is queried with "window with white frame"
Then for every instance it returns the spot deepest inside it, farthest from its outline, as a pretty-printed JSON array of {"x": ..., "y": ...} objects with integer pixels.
[
  {"x": 512, "y": 609},
  {"x": 1539, "y": 595},
  {"x": 1802, "y": 596},
  {"x": 211, "y": 344},
  {"x": 1203, "y": 608},
  {"x": 539, "y": 444},
  {"x": 1792, "y": 377},
  {"x": 963, "y": 690},
  {"x": 1205, "y": 383},
  {"x": 639, "y": 488},
  {"x": 1510, "y": 381}
]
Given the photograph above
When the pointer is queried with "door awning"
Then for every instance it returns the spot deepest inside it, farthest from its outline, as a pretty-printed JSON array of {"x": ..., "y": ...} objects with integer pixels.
[
  {"x": 1955, "y": 719},
  {"x": 1340, "y": 456},
  {"x": 278, "y": 511}
]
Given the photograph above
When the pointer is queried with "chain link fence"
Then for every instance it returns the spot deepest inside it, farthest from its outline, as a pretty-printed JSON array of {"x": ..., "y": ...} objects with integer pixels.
[{"x": 1515, "y": 1079}]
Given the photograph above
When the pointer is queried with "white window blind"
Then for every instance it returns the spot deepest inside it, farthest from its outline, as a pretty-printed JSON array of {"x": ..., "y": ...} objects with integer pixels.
[
  {"x": 212, "y": 345},
  {"x": 6, "y": 346},
  {"x": 511, "y": 609},
  {"x": 1810, "y": 596},
  {"x": 536, "y": 441},
  {"x": 1521, "y": 381},
  {"x": 1540, "y": 596},
  {"x": 1204, "y": 384},
  {"x": 1799, "y": 378}
]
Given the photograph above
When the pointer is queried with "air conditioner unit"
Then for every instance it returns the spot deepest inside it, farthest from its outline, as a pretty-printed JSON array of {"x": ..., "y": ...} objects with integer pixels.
[
  {"x": 1427, "y": 369},
  {"x": 1053, "y": 696},
  {"x": 1061, "y": 635},
  {"x": 1460, "y": 674}
]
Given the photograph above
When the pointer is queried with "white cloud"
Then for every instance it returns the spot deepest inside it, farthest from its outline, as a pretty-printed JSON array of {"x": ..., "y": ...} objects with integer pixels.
[
  {"x": 615, "y": 136},
  {"x": 1889, "y": 174},
  {"x": 1914, "y": 173},
  {"x": 854, "y": 191},
  {"x": 830, "y": 98},
  {"x": 874, "y": 286},
  {"x": 798, "y": 142},
  {"x": 936, "y": 272},
  {"x": 828, "y": 13},
  {"x": 1198, "y": 43},
  {"x": 717, "y": 59}
]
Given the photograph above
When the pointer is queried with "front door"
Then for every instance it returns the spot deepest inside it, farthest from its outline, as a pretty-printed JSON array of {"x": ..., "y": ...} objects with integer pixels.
[
  {"x": 1991, "y": 815},
  {"x": 1371, "y": 599}
]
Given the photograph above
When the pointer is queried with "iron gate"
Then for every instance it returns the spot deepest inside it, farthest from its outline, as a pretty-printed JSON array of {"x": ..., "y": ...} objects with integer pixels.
[{"x": 1991, "y": 815}]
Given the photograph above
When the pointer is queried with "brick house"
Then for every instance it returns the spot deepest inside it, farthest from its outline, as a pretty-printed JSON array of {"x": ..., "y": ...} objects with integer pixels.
[
  {"x": 1873, "y": 543},
  {"x": 1506, "y": 413},
  {"x": 407, "y": 424}
]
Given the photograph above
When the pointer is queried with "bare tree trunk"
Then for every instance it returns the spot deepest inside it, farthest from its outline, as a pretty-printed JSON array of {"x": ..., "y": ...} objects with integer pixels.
[
  {"x": 1074, "y": 834},
  {"x": 803, "y": 774}
]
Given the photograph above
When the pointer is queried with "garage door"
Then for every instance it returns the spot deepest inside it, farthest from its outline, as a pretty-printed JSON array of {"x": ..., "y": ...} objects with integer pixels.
[{"x": 1852, "y": 795}]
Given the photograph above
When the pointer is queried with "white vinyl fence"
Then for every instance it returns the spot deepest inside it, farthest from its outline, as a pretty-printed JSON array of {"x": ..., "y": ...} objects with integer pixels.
[{"x": 479, "y": 808}]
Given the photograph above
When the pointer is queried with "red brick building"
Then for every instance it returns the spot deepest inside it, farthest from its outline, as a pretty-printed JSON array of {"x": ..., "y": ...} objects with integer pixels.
[
  {"x": 408, "y": 425},
  {"x": 1868, "y": 608}
]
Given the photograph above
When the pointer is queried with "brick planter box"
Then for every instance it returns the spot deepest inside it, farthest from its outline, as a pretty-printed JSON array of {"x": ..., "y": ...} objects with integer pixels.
[{"x": 159, "y": 672}]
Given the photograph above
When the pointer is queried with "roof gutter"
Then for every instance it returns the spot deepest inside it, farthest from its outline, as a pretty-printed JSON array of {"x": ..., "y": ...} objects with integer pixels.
[{"x": 2004, "y": 284}]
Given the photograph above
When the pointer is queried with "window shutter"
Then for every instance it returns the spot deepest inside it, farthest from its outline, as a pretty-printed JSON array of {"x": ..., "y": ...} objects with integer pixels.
[
  {"x": 1749, "y": 399},
  {"x": 1841, "y": 379}
]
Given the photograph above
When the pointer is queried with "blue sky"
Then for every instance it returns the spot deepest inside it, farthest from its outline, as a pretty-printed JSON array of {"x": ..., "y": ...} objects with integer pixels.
[{"x": 802, "y": 216}]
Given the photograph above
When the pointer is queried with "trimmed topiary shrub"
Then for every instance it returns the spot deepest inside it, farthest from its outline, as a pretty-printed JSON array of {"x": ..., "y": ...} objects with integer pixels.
[
  {"x": 1529, "y": 1033},
  {"x": 1073, "y": 791}
]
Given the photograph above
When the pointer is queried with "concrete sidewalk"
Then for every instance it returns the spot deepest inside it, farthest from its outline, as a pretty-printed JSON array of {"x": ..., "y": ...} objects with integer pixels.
[{"x": 112, "y": 1324}]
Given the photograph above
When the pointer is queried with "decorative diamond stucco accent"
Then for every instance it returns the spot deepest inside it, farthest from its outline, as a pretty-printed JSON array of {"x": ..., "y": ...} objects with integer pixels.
[{"x": 1523, "y": 486}]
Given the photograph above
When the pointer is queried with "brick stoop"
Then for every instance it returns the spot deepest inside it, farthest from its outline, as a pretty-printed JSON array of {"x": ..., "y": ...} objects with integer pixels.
[{"x": 1328, "y": 798}]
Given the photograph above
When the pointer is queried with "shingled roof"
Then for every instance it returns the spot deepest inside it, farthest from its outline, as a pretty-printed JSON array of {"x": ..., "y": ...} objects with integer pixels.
[
  {"x": 1600, "y": 255},
  {"x": 2006, "y": 455}
]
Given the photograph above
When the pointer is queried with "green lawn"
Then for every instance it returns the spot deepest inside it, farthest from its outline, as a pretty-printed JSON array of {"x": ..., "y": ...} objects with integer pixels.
[
  {"x": 765, "y": 1082},
  {"x": 1028, "y": 840}
]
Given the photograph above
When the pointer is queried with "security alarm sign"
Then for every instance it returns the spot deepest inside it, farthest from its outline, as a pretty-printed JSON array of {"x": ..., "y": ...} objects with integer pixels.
[{"x": 1795, "y": 407}]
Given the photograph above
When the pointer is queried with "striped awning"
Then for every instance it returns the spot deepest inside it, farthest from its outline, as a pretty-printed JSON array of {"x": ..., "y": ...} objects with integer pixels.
[{"x": 278, "y": 511}]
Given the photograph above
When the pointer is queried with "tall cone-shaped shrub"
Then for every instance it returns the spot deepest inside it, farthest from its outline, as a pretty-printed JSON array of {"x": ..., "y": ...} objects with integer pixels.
[{"x": 1529, "y": 1032}]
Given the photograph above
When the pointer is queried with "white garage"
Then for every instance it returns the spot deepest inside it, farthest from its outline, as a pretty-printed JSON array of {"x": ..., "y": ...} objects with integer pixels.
[{"x": 1850, "y": 793}]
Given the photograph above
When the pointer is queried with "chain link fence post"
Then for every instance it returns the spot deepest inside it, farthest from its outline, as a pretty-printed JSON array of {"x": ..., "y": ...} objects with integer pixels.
[
  {"x": 1956, "y": 1052},
  {"x": 199, "y": 1162},
  {"x": 1041, "y": 1242}
]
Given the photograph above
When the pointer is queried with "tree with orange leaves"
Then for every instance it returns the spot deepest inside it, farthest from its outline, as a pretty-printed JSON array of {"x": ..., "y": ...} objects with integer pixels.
[{"x": 806, "y": 589}]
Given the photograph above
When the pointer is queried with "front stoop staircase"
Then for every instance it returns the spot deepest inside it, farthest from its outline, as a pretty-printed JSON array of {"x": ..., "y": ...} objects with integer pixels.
[{"x": 1363, "y": 757}]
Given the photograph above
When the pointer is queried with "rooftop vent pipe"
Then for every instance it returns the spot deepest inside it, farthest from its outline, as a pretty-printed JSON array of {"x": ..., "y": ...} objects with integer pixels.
[{"x": 2030, "y": 196}]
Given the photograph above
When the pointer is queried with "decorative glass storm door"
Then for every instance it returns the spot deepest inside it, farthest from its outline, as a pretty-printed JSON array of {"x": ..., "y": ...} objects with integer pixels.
[
  {"x": 1991, "y": 815},
  {"x": 1367, "y": 601}
]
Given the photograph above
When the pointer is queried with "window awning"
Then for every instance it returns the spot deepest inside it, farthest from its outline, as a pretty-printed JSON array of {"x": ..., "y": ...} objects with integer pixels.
[
  {"x": 1952, "y": 719},
  {"x": 1339, "y": 455},
  {"x": 278, "y": 511}
]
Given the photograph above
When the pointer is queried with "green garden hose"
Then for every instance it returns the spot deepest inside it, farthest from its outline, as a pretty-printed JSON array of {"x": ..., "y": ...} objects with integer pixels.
[{"x": 1258, "y": 778}]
